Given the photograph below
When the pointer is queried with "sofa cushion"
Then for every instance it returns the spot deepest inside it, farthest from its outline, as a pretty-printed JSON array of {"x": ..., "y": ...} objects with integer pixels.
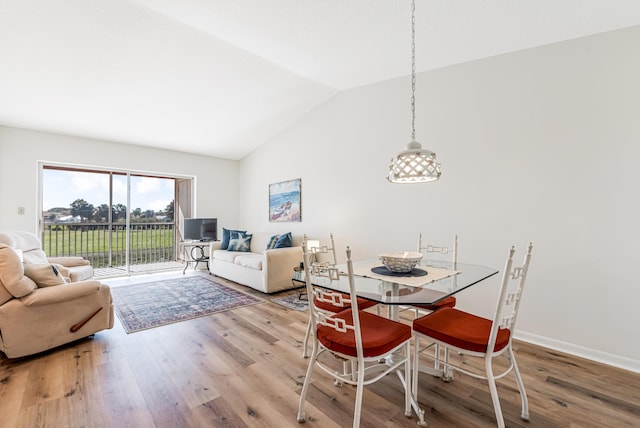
[
  {"x": 250, "y": 260},
  {"x": 12, "y": 274},
  {"x": 226, "y": 237},
  {"x": 44, "y": 275},
  {"x": 284, "y": 241},
  {"x": 240, "y": 241},
  {"x": 225, "y": 256},
  {"x": 34, "y": 256}
]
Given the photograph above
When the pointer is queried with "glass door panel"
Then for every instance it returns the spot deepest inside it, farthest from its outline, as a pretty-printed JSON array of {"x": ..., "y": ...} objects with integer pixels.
[{"x": 152, "y": 231}]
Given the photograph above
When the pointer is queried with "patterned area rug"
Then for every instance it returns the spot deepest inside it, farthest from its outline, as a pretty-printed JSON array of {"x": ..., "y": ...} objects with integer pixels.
[
  {"x": 292, "y": 301},
  {"x": 153, "y": 304}
]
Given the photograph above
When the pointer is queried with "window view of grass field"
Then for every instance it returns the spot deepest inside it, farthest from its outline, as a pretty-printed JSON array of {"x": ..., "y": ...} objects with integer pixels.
[{"x": 85, "y": 214}]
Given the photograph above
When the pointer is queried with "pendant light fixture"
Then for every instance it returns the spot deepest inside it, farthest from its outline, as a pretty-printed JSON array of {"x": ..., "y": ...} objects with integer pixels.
[{"x": 415, "y": 164}]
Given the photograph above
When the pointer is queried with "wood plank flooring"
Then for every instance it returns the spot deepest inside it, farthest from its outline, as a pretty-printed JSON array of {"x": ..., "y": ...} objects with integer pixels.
[{"x": 243, "y": 368}]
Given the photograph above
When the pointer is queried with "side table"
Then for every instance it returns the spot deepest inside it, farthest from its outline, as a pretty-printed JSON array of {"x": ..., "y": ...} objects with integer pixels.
[
  {"x": 195, "y": 253},
  {"x": 298, "y": 281}
]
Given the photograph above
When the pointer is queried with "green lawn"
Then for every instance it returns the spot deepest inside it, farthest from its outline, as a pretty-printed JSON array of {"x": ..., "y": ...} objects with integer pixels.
[{"x": 148, "y": 243}]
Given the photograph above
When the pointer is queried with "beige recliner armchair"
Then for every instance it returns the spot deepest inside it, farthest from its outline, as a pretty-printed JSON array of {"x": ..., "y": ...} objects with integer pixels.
[{"x": 41, "y": 310}]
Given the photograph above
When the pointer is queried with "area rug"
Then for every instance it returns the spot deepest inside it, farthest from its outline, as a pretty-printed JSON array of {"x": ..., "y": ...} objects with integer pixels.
[
  {"x": 154, "y": 304},
  {"x": 292, "y": 301}
]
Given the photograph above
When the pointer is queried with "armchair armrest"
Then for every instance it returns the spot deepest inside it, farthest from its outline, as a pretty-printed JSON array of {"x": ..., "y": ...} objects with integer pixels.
[
  {"x": 61, "y": 293},
  {"x": 68, "y": 261}
]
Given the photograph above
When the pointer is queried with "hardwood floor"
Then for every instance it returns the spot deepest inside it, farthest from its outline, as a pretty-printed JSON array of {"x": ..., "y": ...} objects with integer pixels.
[{"x": 243, "y": 368}]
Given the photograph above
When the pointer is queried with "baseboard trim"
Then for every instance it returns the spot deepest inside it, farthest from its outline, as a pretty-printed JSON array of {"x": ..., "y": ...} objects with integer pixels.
[{"x": 580, "y": 351}]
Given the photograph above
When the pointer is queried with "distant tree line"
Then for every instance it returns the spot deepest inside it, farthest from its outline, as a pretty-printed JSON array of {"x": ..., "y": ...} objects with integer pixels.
[{"x": 88, "y": 213}]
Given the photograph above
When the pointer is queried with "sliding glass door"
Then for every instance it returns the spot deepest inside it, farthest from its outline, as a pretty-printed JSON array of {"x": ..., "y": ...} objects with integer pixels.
[{"x": 122, "y": 221}]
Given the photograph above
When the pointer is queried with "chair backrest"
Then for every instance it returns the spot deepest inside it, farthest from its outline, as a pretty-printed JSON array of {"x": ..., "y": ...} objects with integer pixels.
[
  {"x": 446, "y": 253},
  {"x": 319, "y": 263},
  {"x": 323, "y": 249},
  {"x": 441, "y": 256},
  {"x": 27, "y": 242},
  {"x": 510, "y": 296},
  {"x": 320, "y": 317}
]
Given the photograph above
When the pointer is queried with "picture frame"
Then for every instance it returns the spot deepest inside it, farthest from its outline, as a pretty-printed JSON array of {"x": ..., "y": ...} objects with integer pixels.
[{"x": 285, "y": 201}]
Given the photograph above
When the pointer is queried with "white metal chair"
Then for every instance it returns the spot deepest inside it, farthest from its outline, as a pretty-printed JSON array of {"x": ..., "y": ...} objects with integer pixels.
[
  {"x": 475, "y": 336},
  {"x": 318, "y": 267},
  {"x": 443, "y": 252},
  {"x": 365, "y": 339},
  {"x": 438, "y": 256}
]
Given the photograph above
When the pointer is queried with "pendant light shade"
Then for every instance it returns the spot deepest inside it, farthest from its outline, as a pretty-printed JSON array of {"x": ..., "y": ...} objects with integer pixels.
[{"x": 414, "y": 164}]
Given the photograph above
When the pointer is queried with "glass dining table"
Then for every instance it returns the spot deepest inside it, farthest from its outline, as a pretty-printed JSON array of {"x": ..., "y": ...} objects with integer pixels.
[{"x": 430, "y": 282}]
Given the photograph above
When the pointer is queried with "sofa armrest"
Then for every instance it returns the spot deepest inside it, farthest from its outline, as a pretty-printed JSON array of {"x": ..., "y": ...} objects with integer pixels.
[
  {"x": 278, "y": 267},
  {"x": 61, "y": 293},
  {"x": 69, "y": 261}
]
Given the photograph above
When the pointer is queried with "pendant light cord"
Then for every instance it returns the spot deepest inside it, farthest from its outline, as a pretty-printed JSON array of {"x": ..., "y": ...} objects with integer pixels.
[
  {"x": 413, "y": 70},
  {"x": 414, "y": 164}
]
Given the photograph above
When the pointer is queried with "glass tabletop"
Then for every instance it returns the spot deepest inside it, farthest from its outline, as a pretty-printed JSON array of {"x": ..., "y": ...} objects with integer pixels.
[{"x": 391, "y": 291}]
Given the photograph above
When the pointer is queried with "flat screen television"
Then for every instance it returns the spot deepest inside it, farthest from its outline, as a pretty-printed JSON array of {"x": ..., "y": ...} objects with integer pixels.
[{"x": 200, "y": 229}]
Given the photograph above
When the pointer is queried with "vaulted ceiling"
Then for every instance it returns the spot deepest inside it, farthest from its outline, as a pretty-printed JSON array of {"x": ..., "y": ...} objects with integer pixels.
[{"x": 220, "y": 78}]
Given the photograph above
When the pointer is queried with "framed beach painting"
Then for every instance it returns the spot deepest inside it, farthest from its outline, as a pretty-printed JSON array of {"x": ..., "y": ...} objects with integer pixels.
[{"x": 284, "y": 201}]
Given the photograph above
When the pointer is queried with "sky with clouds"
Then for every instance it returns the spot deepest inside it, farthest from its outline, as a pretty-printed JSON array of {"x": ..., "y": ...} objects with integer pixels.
[{"x": 61, "y": 188}]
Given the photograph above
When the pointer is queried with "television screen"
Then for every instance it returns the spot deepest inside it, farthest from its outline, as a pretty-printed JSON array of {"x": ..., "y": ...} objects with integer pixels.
[{"x": 200, "y": 229}]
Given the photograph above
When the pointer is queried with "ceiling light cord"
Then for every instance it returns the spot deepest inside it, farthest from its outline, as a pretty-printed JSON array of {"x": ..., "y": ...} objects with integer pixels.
[
  {"x": 414, "y": 164},
  {"x": 413, "y": 70}
]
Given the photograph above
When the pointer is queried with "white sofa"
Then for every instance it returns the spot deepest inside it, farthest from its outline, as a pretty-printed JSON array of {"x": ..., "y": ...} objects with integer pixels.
[{"x": 268, "y": 271}]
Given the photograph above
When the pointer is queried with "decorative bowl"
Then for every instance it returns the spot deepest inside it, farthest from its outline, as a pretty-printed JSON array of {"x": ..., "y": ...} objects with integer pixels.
[{"x": 401, "y": 261}]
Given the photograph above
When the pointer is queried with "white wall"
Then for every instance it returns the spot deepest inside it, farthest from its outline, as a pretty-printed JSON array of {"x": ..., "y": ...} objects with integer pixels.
[
  {"x": 540, "y": 145},
  {"x": 20, "y": 150}
]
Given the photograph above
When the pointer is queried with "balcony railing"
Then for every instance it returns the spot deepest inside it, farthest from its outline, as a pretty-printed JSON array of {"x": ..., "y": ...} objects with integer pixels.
[{"x": 104, "y": 245}]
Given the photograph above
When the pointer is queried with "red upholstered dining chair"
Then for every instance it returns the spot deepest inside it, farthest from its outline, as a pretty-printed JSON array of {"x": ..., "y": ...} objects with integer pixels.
[
  {"x": 438, "y": 256},
  {"x": 318, "y": 267},
  {"x": 475, "y": 336},
  {"x": 365, "y": 339},
  {"x": 443, "y": 253}
]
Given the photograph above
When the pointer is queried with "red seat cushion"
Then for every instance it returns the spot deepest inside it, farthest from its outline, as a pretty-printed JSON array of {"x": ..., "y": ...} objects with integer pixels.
[
  {"x": 461, "y": 329},
  {"x": 447, "y": 302},
  {"x": 326, "y": 306},
  {"x": 379, "y": 335}
]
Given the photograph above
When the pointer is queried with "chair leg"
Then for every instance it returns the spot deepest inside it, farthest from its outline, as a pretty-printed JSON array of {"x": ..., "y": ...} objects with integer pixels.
[
  {"x": 416, "y": 365},
  {"x": 305, "y": 346},
  {"x": 494, "y": 392},
  {"x": 407, "y": 376},
  {"x": 345, "y": 372},
  {"x": 523, "y": 393},
  {"x": 447, "y": 371},
  {"x": 307, "y": 381},
  {"x": 359, "y": 393},
  {"x": 436, "y": 360},
  {"x": 414, "y": 381}
]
